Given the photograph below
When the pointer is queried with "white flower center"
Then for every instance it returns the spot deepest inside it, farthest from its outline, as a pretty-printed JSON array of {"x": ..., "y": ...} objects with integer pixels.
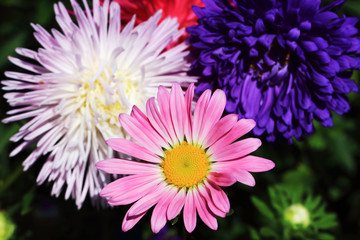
[{"x": 297, "y": 215}]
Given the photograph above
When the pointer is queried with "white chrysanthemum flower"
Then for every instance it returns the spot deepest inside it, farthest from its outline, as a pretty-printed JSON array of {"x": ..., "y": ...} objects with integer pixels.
[{"x": 81, "y": 80}]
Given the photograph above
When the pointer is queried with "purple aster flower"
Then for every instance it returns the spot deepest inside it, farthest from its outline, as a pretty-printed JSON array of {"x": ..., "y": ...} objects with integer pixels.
[{"x": 280, "y": 62}]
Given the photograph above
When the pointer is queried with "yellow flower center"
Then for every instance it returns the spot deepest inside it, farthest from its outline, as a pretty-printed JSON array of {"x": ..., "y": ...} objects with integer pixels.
[{"x": 185, "y": 165}]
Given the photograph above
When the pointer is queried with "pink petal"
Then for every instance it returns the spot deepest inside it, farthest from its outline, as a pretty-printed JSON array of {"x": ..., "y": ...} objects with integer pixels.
[
  {"x": 147, "y": 127},
  {"x": 204, "y": 213},
  {"x": 139, "y": 115},
  {"x": 213, "y": 113},
  {"x": 122, "y": 184},
  {"x": 163, "y": 98},
  {"x": 189, "y": 94},
  {"x": 132, "y": 149},
  {"x": 242, "y": 127},
  {"x": 236, "y": 150},
  {"x": 222, "y": 179},
  {"x": 176, "y": 204},
  {"x": 200, "y": 108},
  {"x": 130, "y": 221},
  {"x": 244, "y": 177},
  {"x": 133, "y": 192},
  {"x": 189, "y": 212},
  {"x": 149, "y": 200},
  {"x": 118, "y": 185},
  {"x": 122, "y": 166},
  {"x": 220, "y": 129},
  {"x": 218, "y": 196},
  {"x": 247, "y": 163},
  {"x": 156, "y": 120},
  {"x": 209, "y": 202},
  {"x": 158, "y": 217},
  {"x": 178, "y": 111},
  {"x": 138, "y": 132}
]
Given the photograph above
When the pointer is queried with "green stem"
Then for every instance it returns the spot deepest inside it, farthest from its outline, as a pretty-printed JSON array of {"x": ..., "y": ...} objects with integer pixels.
[{"x": 9, "y": 180}]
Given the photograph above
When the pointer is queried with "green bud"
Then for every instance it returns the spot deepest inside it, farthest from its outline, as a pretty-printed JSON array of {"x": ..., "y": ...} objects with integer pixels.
[
  {"x": 7, "y": 227},
  {"x": 298, "y": 216}
]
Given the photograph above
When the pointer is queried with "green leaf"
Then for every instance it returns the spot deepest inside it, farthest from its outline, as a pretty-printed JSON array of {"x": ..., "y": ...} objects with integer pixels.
[
  {"x": 26, "y": 202},
  {"x": 268, "y": 232},
  {"x": 261, "y": 206},
  {"x": 9, "y": 46},
  {"x": 311, "y": 203},
  {"x": 253, "y": 234},
  {"x": 231, "y": 212},
  {"x": 325, "y": 222},
  {"x": 175, "y": 220},
  {"x": 325, "y": 236}
]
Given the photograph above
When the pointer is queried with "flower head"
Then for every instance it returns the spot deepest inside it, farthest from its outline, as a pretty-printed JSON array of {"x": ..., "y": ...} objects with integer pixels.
[
  {"x": 297, "y": 215},
  {"x": 146, "y": 8},
  {"x": 282, "y": 63},
  {"x": 294, "y": 212},
  {"x": 78, "y": 83},
  {"x": 183, "y": 159}
]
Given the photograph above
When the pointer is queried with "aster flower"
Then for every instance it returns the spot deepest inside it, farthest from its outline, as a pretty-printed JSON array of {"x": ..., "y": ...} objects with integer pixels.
[
  {"x": 282, "y": 63},
  {"x": 79, "y": 82},
  {"x": 294, "y": 213},
  {"x": 183, "y": 159},
  {"x": 146, "y": 8}
]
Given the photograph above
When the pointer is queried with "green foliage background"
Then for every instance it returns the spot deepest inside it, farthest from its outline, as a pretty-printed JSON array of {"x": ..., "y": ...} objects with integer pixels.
[{"x": 330, "y": 158}]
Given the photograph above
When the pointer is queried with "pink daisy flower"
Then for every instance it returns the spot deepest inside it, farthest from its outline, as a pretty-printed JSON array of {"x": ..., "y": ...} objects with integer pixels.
[{"x": 183, "y": 158}]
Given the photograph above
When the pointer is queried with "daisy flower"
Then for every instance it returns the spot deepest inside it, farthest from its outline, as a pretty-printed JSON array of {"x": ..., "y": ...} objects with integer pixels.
[
  {"x": 183, "y": 159},
  {"x": 79, "y": 81}
]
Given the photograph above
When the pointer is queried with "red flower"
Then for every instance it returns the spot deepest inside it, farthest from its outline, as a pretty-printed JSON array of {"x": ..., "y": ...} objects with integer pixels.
[{"x": 181, "y": 9}]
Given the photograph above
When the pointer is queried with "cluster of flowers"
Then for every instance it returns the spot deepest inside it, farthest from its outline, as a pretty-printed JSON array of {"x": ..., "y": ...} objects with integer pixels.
[{"x": 281, "y": 63}]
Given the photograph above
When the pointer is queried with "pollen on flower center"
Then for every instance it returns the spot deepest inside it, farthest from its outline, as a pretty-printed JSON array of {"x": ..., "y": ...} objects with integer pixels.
[
  {"x": 107, "y": 95},
  {"x": 185, "y": 165}
]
